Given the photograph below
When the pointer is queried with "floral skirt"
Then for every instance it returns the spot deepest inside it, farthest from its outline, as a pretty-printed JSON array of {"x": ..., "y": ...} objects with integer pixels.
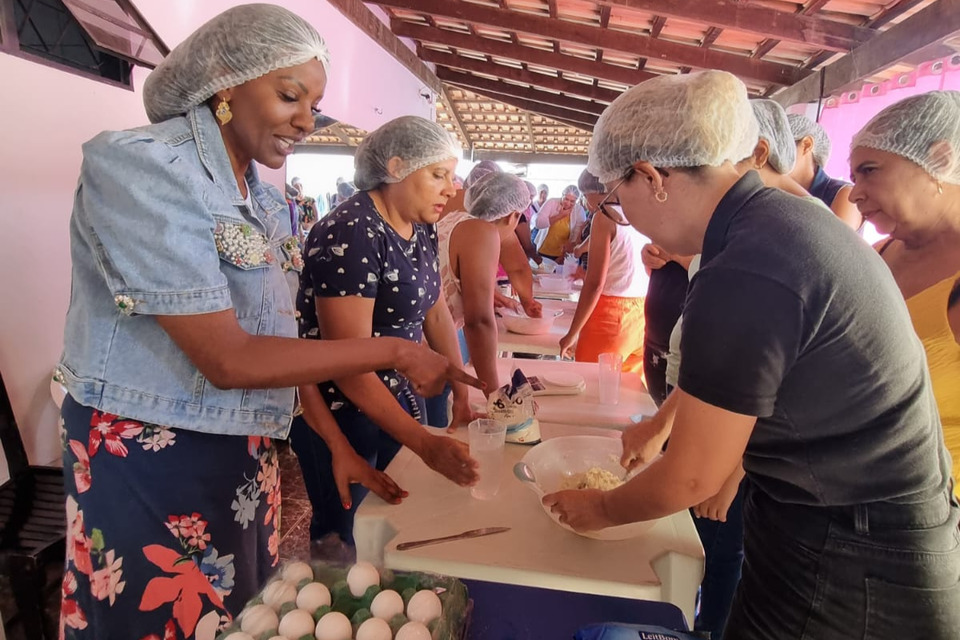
[{"x": 170, "y": 531}]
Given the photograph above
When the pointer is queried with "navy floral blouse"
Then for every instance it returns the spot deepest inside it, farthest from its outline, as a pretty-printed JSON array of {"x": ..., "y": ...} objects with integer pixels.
[{"x": 353, "y": 252}]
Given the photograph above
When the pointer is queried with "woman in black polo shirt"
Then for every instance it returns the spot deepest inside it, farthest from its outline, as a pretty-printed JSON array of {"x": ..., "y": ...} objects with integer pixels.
[{"x": 798, "y": 359}]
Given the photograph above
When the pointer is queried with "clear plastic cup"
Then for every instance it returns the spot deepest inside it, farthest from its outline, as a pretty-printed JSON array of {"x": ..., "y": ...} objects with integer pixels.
[
  {"x": 487, "y": 438},
  {"x": 610, "y": 365}
]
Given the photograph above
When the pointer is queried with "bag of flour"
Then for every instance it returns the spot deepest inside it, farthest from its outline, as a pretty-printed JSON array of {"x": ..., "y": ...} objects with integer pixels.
[{"x": 513, "y": 405}]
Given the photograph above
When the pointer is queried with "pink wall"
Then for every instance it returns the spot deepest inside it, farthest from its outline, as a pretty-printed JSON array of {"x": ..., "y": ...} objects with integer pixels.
[
  {"x": 848, "y": 115},
  {"x": 48, "y": 114}
]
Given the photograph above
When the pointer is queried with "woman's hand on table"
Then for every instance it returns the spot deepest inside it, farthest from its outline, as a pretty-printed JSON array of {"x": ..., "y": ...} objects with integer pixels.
[
  {"x": 642, "y": 443},
  {"x": 428, "y": 371},
  {"x": 349, "y": 468},
  {"x": 567, "y": 343},
  {"x": 580, "y": 509},
  {"x": 450, "y": 458}
]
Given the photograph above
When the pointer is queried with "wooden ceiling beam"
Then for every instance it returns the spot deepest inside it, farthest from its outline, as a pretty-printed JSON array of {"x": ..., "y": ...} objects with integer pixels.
[
  {"x": 732, "y": 14},
  {"x": 519, "y": 75},
  {"x": 519, "y": 157},
  {"x": 520, "y": 53},
  {"x": 456, "y": 117},
  {"x": 357, "y": 13},
  {"x": 923, "y": 30},
  {"x": 582, "y": 120},
  {"x": 622, "y": 41},
  {"x": 473, "y": 83}
]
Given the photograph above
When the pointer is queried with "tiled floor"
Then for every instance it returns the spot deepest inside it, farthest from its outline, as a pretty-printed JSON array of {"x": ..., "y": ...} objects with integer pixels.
[{"x": 294, "y": 543}]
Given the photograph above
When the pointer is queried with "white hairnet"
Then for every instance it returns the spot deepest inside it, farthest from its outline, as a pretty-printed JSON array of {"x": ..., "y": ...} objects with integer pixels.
[
  {"x": 924, "y": 129},
  {"x": 698, "y": 119},
  {"x": 416, "y": 141},
  {"x": 570, "y": 188},
  {"x": 479, "y": 170},
  {"x": 775, "y": 129},
  {"x": 495, "y": 196},
  {"x": 531, "y": 188},
  {"x": 801, "y": 126},
  {"x": 239, "y": 45}
]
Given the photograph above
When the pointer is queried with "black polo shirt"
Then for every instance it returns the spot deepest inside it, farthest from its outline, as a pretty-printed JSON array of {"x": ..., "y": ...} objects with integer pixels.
[{"x": 794, "y": 319}]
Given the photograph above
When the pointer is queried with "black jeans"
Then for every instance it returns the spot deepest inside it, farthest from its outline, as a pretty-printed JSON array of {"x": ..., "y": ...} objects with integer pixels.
[
  {"x": 655, "y": 372},
  {"x": 878, "y": 571}
]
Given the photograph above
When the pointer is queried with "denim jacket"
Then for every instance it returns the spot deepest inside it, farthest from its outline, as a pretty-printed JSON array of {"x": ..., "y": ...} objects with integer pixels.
[{"x": 159, "y": 227}]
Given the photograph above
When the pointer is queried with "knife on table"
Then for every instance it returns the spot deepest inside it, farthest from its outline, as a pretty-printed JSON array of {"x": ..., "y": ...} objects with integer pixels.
[{"x": 475, "y": 533}]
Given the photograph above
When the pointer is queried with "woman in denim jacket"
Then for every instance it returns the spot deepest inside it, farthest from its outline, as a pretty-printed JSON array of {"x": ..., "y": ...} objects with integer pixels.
[{"x": 180, "y": 355}]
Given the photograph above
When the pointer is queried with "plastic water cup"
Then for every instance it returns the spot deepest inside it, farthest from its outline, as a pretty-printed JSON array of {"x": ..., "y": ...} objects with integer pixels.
[
  {"x": 487, "y": 438},
  {"x": 610, "y": 365}
]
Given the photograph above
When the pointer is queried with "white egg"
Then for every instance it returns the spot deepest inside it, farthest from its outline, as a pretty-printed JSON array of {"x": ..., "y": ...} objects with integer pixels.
[
  {"x": 413, "y": 631},
  {"x": 334, "y": 626},
  {"x": 313, "y": 596},
  {"x": 424, "y": 607},
  {"x": 278, "y": 593},
  {"x": 386, "y": 604},
  {"x": 361, "y": 577},
  {"x": 240, "y": 635},
  {"x": 374, "y": 629},
  {"x": 258, "y": 619},
  {"x": 297, "y": 572},
  {"x": 296, "y": 623}
]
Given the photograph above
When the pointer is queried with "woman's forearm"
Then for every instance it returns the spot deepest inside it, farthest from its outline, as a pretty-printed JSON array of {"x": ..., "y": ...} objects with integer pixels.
[
  {"x": 320, "y": 419},
  {"x": 481, "y": 336},
  {"x": 372, "y": 397},
  {"x": 589, "y": 297},
  {"x": 231, "y": 358}
]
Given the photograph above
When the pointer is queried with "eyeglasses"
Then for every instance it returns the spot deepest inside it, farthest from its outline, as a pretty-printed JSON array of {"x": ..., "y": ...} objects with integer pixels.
[{"x": 613, "y": 210}]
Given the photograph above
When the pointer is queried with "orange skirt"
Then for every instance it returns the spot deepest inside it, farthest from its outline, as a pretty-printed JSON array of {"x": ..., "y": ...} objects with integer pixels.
[{"x": 615, "y": 326}]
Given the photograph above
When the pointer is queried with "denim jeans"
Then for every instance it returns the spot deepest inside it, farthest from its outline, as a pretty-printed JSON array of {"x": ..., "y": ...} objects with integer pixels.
[
  {"x": 723, "y": 555},
  {"x": 369, "y": 441},
  {"x": 878, "y": 571},
  {"x": 437, "y": 408}
]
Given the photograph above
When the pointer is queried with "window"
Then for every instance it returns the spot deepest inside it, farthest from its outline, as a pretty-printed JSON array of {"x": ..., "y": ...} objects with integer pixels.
[{"x": 98, "y": 38}]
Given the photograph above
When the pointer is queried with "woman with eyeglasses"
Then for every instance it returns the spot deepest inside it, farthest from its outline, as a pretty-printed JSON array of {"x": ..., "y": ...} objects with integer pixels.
[
  {"x": 801, "y": 364},
  {"x": 609, "y": 315}
]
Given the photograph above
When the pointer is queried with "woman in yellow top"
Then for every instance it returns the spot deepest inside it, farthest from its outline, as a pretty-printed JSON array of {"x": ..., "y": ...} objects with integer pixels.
[
  {"x": 563, "y": 220},
  {"x": 906, "y": 167}
]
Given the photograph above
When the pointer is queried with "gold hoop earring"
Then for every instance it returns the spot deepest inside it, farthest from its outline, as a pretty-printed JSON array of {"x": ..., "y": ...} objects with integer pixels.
[
  {"x": 660, "y": 196},
  {"x": 223, "y": 113},
  {"x": 939, "y": 187}
]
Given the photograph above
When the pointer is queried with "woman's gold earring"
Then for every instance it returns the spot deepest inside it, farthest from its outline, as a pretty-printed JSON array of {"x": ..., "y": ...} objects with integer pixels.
[
  {"x": 939, "y": 187},
  {"x": 661, "y": 196},
  {"x": 223, "y": 113}
]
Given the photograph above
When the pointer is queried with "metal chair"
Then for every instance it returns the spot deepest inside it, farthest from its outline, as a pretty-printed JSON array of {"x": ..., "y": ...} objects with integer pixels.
[{"x": 33, "y": 524}]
